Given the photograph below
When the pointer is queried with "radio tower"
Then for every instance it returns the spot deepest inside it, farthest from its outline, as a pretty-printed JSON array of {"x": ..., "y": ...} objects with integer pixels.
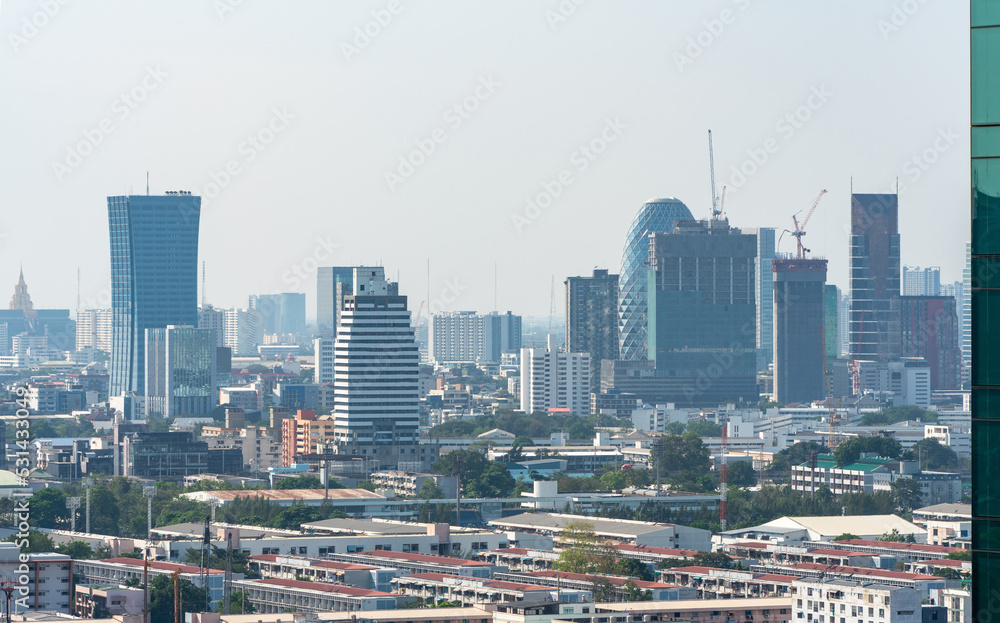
[{"x": 204, "y": 298}]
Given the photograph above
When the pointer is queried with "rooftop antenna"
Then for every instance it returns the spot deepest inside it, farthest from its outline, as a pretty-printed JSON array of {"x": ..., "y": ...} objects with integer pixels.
[
  {"x": 204, "y": 297},
  {"x": 711, "y": 164},
  {"x": 147, "y": 183},
  {"x": 552, "y": 306}
]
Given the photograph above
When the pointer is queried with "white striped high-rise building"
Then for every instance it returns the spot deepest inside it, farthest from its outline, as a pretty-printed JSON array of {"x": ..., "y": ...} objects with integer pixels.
[
  {"x": 377, "y": 367},
  {"x": 93, "y": 329}
]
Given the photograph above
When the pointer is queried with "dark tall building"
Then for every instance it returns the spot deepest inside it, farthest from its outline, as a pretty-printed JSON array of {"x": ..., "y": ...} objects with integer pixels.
[
  {"x": 984, "y": 279},
  {"x": 875, "y": 272},
  {"x": 592, "y": 319},
  {"x": 831, "y": 326},
  {"x": 799, "y": 340},
  {"x": 702, "y": 315},
  {"x": 180, "y": 372},
  {"x": 154, "y": 276},
  {"x": 930, "y": 330}
]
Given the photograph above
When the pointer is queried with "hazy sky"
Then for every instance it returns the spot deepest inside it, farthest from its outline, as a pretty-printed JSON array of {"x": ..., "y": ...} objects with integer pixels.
[{"x": 319, "y": 110}]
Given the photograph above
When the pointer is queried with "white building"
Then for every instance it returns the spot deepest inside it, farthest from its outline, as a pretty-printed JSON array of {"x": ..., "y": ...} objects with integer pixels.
[
  {"x": 93, "y": 329},
  {"x": 921, "y": 281},
  {"x": 48, "y": 580},
  {"x": 211, "y": 318},
  {"x": 833, "y": 600},
  {"x": 907, "y": 380},
  {"x": 956, "y": 601},
  {"x": 377, "y": 365},
  {"x": 244, "y": 331},
  {"x": 960, "y": 442},
  {"x": 246, "y": 398},
  {"x": 323, "y": 353},
  {"x": 655, "y": 418},
  {"x": 551, "y": 379},
  {"x": 467, "y": 336}
]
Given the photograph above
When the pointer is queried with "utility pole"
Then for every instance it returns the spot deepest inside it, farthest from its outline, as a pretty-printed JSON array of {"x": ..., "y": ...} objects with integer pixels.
[
  {"x": 88, "y": 484},
  {"x": 72, "y": 504},
  {"x": 145, "y": 586},
  {"x": 149, "y": 493},
  {"x": 177, "y": 596}
]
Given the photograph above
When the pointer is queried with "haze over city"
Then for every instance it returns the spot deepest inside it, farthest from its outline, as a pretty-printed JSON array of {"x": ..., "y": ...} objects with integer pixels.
[{"x": 298, "y": 129}]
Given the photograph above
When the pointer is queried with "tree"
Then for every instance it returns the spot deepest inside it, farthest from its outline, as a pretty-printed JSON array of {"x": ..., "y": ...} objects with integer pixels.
[
  {"x": 852, "y": 449},
  {"x": 895, "y": 537},
  {"x": 36, "y": 542},
  {"x": 675, "y": 428},
  {"x": 294, "y": 516},
  {"x": 847, "y": 536},
  {"x": 795, "y": 455},
  {"x": 48, "y": 508},
  {"x": 615, "y": 480},
  {"x": 430, "y": 490},
  {"x": 906, "y": 493},
  {"x": 161, "y": 598},
  {"x": 741, "y": 474},
  {"x": 299, "y": 482},
  {"x": 238, "y": 604},
  {"x": 933, "y": 455},
  {"x": 891, "y": 415},
  {"x": 494, "y": 481},
  {"x": 77, "y": 550},
  {"x": 682, "y": 459},
  {"x": 962, "y": 555},
  {"x": 704, "y": 428}
]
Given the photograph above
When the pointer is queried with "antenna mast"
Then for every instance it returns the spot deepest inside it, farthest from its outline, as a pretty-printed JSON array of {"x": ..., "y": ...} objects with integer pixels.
[
  {"x": 711, "y": 164},
  {"x": 204, "y": 297}
]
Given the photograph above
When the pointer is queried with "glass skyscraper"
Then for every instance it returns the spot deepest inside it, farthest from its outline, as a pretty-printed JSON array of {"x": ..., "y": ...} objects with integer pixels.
[
  {"x": 875, "y": 278},
  {"x": 985, "y": 308},
  {"x": 154, "y": 276},
  {"x": 180, "y": 371},
  {"x": 656, "y": 215},
  {"x": 333, "y": 283}
]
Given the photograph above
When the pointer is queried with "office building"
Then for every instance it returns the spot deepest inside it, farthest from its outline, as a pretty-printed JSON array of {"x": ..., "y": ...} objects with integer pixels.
[
  {"x": 376, "y": 367},
  {"x": 466, "y": 336},
  {"x": 831, "y": 321},
  {"x": 906, "y": 381},
  {"x": 154, "y": 276},
  {"x": 93, "y": 329},
  {"x": 592, "y": 319},
  {"x": 47, "y": 580},
  {"x": 800, "y": 347},
  {"x": 855, "y": 601},
  {"x": 280, "y": 313},
  {"x": 702, "y": 317},
  {"x": 930, "y": 330},
  {"x": 243, "y": 331},
  {"x": 333, "y": 283},
  {"x": 657, "y": 214},
  {"x": 552, "y": 379},
  {"x": 764, "y": 293},
  {"x": 214, "y": 319},
  {"x": 180, "y": 372},
  {"x": 323, "y": 353},
  {"x": 984, "y": 312},
  {"x": 164, "y": 456},
  {"x": 921, "y": 281},
  {"x": 874, "y": 265},
  {"x": 843, "y": 324}
]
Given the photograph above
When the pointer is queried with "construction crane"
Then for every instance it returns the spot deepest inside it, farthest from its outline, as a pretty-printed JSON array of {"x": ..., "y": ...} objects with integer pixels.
[
  {"x": 800, "y": 228},
  {"x": 716, "y": 211}
]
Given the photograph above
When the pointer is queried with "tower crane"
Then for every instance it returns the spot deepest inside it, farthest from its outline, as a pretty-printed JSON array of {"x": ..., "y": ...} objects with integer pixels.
[{"x": 800, "y": 228}]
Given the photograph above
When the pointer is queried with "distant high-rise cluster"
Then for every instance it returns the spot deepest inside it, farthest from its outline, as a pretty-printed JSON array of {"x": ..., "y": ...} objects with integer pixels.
[{"x": 465, "y": 336}]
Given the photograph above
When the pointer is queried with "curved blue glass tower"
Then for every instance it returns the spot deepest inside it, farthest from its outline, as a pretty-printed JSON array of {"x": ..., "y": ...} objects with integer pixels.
[
  {"x": 657, "y": 214},
  {"x": 154, "y": 276}
]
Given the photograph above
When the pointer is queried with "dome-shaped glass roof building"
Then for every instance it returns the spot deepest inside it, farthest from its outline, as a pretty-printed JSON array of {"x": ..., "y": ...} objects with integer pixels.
[{"x": 657, "y": 214}]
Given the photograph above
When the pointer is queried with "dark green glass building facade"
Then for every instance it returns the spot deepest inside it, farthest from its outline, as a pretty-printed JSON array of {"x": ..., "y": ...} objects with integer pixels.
[{"x": 985, "y": 319}]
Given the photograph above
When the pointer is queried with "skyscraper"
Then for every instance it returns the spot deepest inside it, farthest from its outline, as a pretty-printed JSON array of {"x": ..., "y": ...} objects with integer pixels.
[
  {"x": 293, "y": 313},
  {"x": 154, "y": 276},
  {"x": 800, "y": 346},
  {"x": 930, "y": 330},
  {"x": 333, "y": 283},
  {"x": 93, "y": 329},
  {"x": 764, "y": 293},
  {"x": 967, "y": 316},
  {"x": 377, "y": 364},
  {"x": 180, "y": 371},
  {"x": 875, "y": 272},
  {"x": 985, "y": 309},
  {"x": 592, "y": 319},
  {"x": 702, "y": 316},
  {"x": 831, "y": 321},
  {"x": 465, "y": 336},
  {"x": 654, "y": 216}
]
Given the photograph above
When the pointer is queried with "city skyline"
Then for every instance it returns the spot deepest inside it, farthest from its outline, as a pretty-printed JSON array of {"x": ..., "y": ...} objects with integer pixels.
[{"x": 328, "y": 178}]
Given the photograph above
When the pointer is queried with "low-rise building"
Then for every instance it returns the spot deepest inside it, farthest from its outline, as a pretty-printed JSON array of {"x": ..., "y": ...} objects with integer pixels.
[
  {"x": 410, "y": 483},
  {"x": 437, "y": 588},
  {"x": 92, "y": 601},
  {"x": 118, "y": 571},
  {"x": 278, "y": 595},
  {"x": 48, "y": 576},
  {"x": 617, "y": 530},
  {"x": 618, "y": 588},
  {"x": 836, "y": 599}
]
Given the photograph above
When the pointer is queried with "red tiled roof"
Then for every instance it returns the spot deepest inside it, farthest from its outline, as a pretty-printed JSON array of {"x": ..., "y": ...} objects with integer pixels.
[
  {"x": 776, "y": 577},
  {"x": 750, "y": 545},
  {"x": 443, "y": 560},
  {"x": 158, "y": 564},
  {"x": 945, "y": 562},
  {"x": 917, "y": 547},
  {"x": 333, "y": 564},
  {"x": 617, "y": 581},
  {"x": 267, "y": 557},
  {"x": 519, "y": 551},
  {"x": 869, "y": 571},
  {"x": 822, "y": 551},
  {"x": 433, "y": 577},
  {"x": 326, "y": 588},
  {"x": 664, "y": 551},
  {"x": 691, "y": 569}
]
